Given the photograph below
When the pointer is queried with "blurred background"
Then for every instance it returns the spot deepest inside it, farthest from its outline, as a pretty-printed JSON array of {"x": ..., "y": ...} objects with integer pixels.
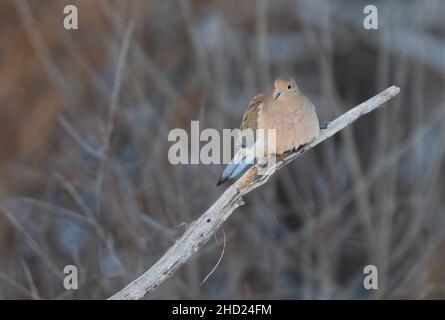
[{"x": 84, "y": 174}]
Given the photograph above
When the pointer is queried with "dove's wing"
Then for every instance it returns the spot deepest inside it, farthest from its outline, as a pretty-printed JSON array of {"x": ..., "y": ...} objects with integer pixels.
[
  {"x": 250, "y": 117},
  {"x": 245, "y": 157}
]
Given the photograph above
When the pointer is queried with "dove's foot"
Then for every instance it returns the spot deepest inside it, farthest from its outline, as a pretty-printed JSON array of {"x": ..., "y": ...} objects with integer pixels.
[{"x": 324, "y": 125}]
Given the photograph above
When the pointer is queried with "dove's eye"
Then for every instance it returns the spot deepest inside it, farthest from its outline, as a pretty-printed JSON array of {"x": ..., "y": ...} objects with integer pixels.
[{"x": 288, "y": 86}]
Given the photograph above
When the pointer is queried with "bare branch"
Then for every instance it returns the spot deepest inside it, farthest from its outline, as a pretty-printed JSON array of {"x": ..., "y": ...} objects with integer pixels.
[{"x": 202, "y": 229}]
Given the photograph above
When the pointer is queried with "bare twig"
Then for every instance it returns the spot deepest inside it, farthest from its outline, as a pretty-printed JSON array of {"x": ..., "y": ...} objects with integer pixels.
[
  {"x": 33, "y": 244},
  {"x": 219, "y": 260},
  {"x": 200, "y": 231},
  {"x": 72, "y": 132},
  {"x": 113, "y": 109}
]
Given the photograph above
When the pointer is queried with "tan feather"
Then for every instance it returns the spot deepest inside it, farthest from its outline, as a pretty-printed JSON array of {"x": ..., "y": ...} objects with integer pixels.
[{"x": 250, "y": 117}]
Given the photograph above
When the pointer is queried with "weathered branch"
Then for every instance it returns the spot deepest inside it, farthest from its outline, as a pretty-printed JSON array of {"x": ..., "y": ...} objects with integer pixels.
[{"x": 202, "y": 229}]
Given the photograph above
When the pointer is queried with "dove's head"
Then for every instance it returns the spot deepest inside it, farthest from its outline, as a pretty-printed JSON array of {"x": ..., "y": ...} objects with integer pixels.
[{"x": 285, "y": 88}]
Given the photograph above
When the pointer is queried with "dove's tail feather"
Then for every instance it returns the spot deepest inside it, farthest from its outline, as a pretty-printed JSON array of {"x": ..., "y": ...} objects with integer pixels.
[{"x": 241, "y": 162}]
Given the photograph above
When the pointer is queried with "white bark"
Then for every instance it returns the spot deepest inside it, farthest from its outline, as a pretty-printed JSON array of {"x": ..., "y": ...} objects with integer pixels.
[{"x": 202, "y": 229}]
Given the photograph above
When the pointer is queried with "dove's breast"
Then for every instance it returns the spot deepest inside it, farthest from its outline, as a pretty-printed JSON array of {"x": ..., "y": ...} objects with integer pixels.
[{"x": 295, "y": 124}]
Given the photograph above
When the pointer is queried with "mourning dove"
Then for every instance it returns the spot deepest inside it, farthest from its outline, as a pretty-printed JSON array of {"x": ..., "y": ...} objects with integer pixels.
[{"x": 284, "y": 109}]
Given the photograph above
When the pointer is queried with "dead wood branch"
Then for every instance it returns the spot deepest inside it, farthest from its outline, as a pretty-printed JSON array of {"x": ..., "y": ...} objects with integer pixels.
[{"x": 202, "y": 229}]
